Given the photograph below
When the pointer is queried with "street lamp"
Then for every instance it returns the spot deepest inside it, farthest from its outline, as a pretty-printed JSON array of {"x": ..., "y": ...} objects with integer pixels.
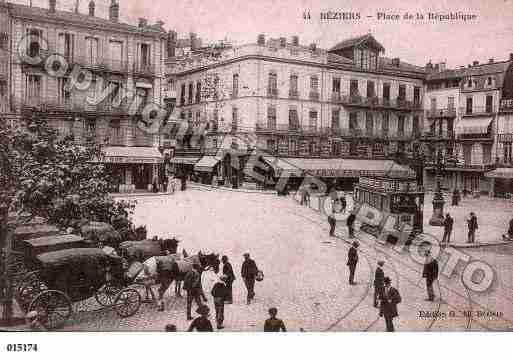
[{"x": 438, "y": 200}]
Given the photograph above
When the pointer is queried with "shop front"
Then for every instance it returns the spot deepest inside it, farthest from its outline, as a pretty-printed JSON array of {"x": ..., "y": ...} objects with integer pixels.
[
  {"x": 501, "y": 182},
  {"x": 134, "y": 168},
  {"x": 207, "y": 169}
]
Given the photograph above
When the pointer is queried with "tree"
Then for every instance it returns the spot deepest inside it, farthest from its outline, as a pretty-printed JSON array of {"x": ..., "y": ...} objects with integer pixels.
[{"x": 43, "y": 174}]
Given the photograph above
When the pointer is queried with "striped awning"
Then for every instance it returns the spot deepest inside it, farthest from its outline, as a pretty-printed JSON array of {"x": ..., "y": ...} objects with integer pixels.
[
  {"x": 184, "y": 160},
  {"x": 119, "y": 154},
  {"x": 473, "y": 126},
  {"x": 206, "y": 164},
  {"x": 506, "y": 173}
]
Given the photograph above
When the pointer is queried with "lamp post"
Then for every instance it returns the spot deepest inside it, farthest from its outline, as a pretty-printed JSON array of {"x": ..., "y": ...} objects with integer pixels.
[{"x": 438, "y": 200}]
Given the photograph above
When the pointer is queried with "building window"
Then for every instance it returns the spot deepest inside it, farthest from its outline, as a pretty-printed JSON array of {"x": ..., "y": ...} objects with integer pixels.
[
  {"x": 335, "y": 118},
  {"x": 385, "y": 123},
  {"x": 312, "y": 120},
  {"x": 115, "y": 132},
  {"x": 34, "y": 47},
  {"x": 293, "y": 146},
  {"x": 215, "y": 117},
  {"x": 416, "y": 130},
  {"x": 469, "y": 106},
  {"x": 369, "y": 123},
  {"x": 508, "y": 152},
  {"x": 3, "y": 88},
  {"x": 386, "y": 92},
  {"x": 489, "y": 81},
  {"x": 272, "y": 86},
  {"x": 67, "y": 46},
  {"x": 450, "y": 103},
  {"x": 271, "y": 117},
  {"x": 336, "y": 148},
  {"x": 64, "y": 95},
  {"x": 400, "y": 125},
  {"x": 402, "y": 93},
  {"x": 90, "y": 128},
  {"x": 293, "y": 92},
  {"x": 271, "y": 145},
  {"x": 235, "y": 119},
  {"x": 198, "y": 117},
  {"x": 182, "y": 95},
  {"x": 416, "y": 95},
  {"x": 191, "y": 90},
  {"x": 314, "y": 88},
  {"x": 189, "y": 116},
  {"x": 144, "y": 56},
  {"x": 433, "y": 104},
  {"x": 370, "y": 89},
  {"x": 235, "y": 85},
  {"x": 312, "y": 148},
  {"x": 293, "y": 119},
  {"x": 336, "y": 85},
  {"x": 353, "y": 121},
  {"x": 116, "y": 55},
  {"x": 33, "y": 88},
  {"x": 91, "y": 50},
  {"x": 353, "y": 88},
  {"x": 198, "y": 92},
  {"x": 4, "y": 42},
  {"x": 489, "y": 103}
]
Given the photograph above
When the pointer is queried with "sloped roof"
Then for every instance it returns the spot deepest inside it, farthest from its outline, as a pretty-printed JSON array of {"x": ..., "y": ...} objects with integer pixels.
[
  {"x": 386, "y": 63},
  {"x": 479, "y": 70},
  {"x": 34, "y": 12},
  {"x": 354, "y": 41},
  {"x": 338, "y": 58}
]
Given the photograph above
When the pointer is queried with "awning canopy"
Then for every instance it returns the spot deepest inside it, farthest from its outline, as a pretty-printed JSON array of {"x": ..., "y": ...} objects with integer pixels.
[
  {"x": 473, "y": 126},
  {"x": 506, "y": 173},
  {"x": 206, "y": 164},
  {"x": 184, "y": 160},
  {"x": 115, "y": 154},
  {"x": 337, "y": 167}
]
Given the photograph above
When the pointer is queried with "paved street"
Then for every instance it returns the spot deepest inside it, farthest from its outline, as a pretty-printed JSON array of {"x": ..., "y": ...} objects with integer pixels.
[{"x": 306, "y": 275}]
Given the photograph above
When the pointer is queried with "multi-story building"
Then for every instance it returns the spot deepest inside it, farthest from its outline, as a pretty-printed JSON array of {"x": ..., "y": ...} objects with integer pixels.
[
  {"x": 311, "y": 107},
  {"x": 463, "y": 121},
  {"x": 5, "y": 68},
  {"x": 91, "y": 78}
]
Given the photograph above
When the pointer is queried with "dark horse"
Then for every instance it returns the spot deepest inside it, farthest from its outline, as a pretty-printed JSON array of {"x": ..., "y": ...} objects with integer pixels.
[{"x": 142, "y": 250}]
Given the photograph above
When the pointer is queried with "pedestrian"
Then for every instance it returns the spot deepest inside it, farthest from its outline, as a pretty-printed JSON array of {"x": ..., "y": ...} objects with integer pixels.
[
  {"x": 389, "y": 300},
  {"x": 448, "y": 223},
  {"x": 350, "y": 224},
  {"x": 219, "y": 293},
  {"x": 332, "y": 222},
  {"x": 379, "y": 284},
  {"x": 166, "y": 271},
  {"x": 455, "y": 197},
  {"x": 170, "y": 328},
  {"x": 343, "y": 203},
  {"x": 472, "y": 227},
  {"x": 184, "y": 182},
  {"x": 228, "y": 272},
  {"x": 430, "y": 272},
  {"x": 192, "y": 285},
  {"x": 202, "y": 323},
  {"x": 249, "y": 272},
  {"x": 273, "y": 324},
  {"x": 352, "y": 261}
]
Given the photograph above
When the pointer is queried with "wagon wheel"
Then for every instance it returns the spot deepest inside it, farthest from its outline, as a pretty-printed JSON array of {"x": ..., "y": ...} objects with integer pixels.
[
  {"x": 27, "y": 278},
  {"x": 127, "y": 302},
  {"x": 106, "y": 295},
  {"x": 53, "y": 308},
  {"x": 29, "y": 290}
]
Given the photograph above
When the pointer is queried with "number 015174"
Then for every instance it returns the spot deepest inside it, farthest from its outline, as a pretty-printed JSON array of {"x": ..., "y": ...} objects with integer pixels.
[{"x": 21, "y": 347}]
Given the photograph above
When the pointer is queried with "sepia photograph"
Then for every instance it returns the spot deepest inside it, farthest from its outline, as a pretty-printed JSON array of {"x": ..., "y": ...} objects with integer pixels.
[{"x": 255, "y": 166}]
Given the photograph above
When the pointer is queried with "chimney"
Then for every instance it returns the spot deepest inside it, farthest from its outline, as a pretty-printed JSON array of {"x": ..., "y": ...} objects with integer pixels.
[
  {"x": 192, "y": 38},
  {"x": 313, "y": 46},
  {"x": 261, "y": 39},
  {"x": 295, "y": 40},
  {"x": 469, "y": 66},
  {"x": 143, "y": 22},
  {"x": 114, "y": 11},
  {"x": 91, "y": 8},
  {"x": 442, "y": 66},
  {"x": 283, "y": 41},
  {"x": 171, "y": 43},
  {"x": 475, "y": 63},
  {"x": 396, "y": 61},
  {"x": 429, "y": 66},
  {"x": 52, "y": 5},
  {"x": 491, "y": 61}
]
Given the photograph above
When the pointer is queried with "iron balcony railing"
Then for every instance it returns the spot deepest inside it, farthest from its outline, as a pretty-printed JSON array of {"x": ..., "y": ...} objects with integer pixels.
[
  {"x": 293, "y": 94},
  {"x": 435, "y": 135},
  {"x": 379, "y": 103},
  {"x": 441, "y": 112},
  {"x": 477, "y": 111},
  {"x": 144, "y": 69},
  {"x": 314, "y": 95}
]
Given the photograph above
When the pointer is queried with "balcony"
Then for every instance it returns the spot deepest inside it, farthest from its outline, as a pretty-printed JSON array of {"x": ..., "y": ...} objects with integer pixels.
[
  {"x": 430, "y": 136},
  {"x": 379, "y": 103},
  {"x": 336, "y": 97},
  {"x": 477, "y": 111},
  {"x": 71, "y": 105},
  {"x": 144, "y": 69},
  {"x": 449, "y": 112},
  {"x": 272, "y": 92},
  {"x": 293, "y": 94},
  {"x": 264, "y": 128},
  {"x": 314, "y": 95}
]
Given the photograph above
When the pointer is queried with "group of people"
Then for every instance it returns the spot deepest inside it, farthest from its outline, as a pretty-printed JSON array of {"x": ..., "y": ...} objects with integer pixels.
[
  {"x": 472, "y": 225},
  {"x": 222, "y": 291}
]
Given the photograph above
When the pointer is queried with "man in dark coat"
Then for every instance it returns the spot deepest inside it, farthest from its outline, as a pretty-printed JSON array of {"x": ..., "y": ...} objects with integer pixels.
[
  {"x": 192, "y": 284},
  {"x": 448, "y": 223},
  {"x": 389, "y": 300},
  {"x": 167, "y": 270},
  {"x": 333, "y": 223},
  {"x": 472, "y": 227},
  {"x": 352, "y": 261},
  {"x": 201, "y": 323},
  {"x": 430, "y": 272},
  {"x": 219, "y": 293},
  {"x": 379, "y": 284},
  {"x": 230, "y": 278},
  {"x": 350, "y": 224},
  {"x": 274, "y": 324},
  {"x": 249, "y": 272}
]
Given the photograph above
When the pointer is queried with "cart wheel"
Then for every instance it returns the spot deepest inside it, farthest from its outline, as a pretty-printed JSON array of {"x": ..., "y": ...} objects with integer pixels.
[
  {"x": 27, "y": 278},
  {"x": 127, "y": 302},
  {"x": 53, "y": 308},
  {"x": 29, "y": 290},
  {"x": 106, "y": 295}
]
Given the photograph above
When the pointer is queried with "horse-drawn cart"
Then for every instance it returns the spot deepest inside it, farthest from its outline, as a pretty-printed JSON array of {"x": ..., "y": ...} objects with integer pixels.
[{"x": 72, "y": 275}]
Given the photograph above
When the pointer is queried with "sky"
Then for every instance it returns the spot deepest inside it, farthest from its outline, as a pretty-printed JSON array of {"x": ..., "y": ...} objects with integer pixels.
[{"x": 490, "y": 35}]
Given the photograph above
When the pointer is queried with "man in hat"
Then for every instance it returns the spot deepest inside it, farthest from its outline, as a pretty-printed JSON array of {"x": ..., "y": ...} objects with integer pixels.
[
  {"x": 192, "y": 285},
  {"x": 352, "y": 261},
  {"x": 472, "y": 227},
  {"x": 379, "y": 284},
  {"x": 430, "y": 272},
  {"x": 273, "y": 324},
  {"x": 350, "y": 224},
  {"x": 249, "y": 272},
  {"x": 201, "y": 323},
  {"x": 219, "y": 292},
  {"x": 389, "y": 300},
  {"x": 230, "y": 275},
  {"x": 448, "y": 223}
]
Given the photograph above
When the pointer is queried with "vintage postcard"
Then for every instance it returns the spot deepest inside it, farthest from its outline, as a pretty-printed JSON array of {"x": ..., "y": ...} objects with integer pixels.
[{"x": 256, "y": 166}]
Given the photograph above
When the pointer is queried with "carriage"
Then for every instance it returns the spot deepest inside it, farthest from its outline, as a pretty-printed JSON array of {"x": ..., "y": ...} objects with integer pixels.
[{"x": 69, "y": 276}]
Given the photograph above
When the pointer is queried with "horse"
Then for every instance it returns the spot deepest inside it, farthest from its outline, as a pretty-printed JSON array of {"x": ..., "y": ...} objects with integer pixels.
[
  {"x": 132, "y": 233},
  {"x": 180, "y": 267},
  {"x": 140, "y": 251}
]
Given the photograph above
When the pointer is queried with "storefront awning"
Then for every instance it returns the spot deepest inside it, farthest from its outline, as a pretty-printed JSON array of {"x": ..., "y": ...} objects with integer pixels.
[
  {"x": 338, "y": 167},
  {"x": 206, "y": 164},
  {"x": 473, "y": 126},
  {"x": 115, "y": 154},
  {"x": 506, "y": 173},
  {"x": 184, "y": 160}
]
